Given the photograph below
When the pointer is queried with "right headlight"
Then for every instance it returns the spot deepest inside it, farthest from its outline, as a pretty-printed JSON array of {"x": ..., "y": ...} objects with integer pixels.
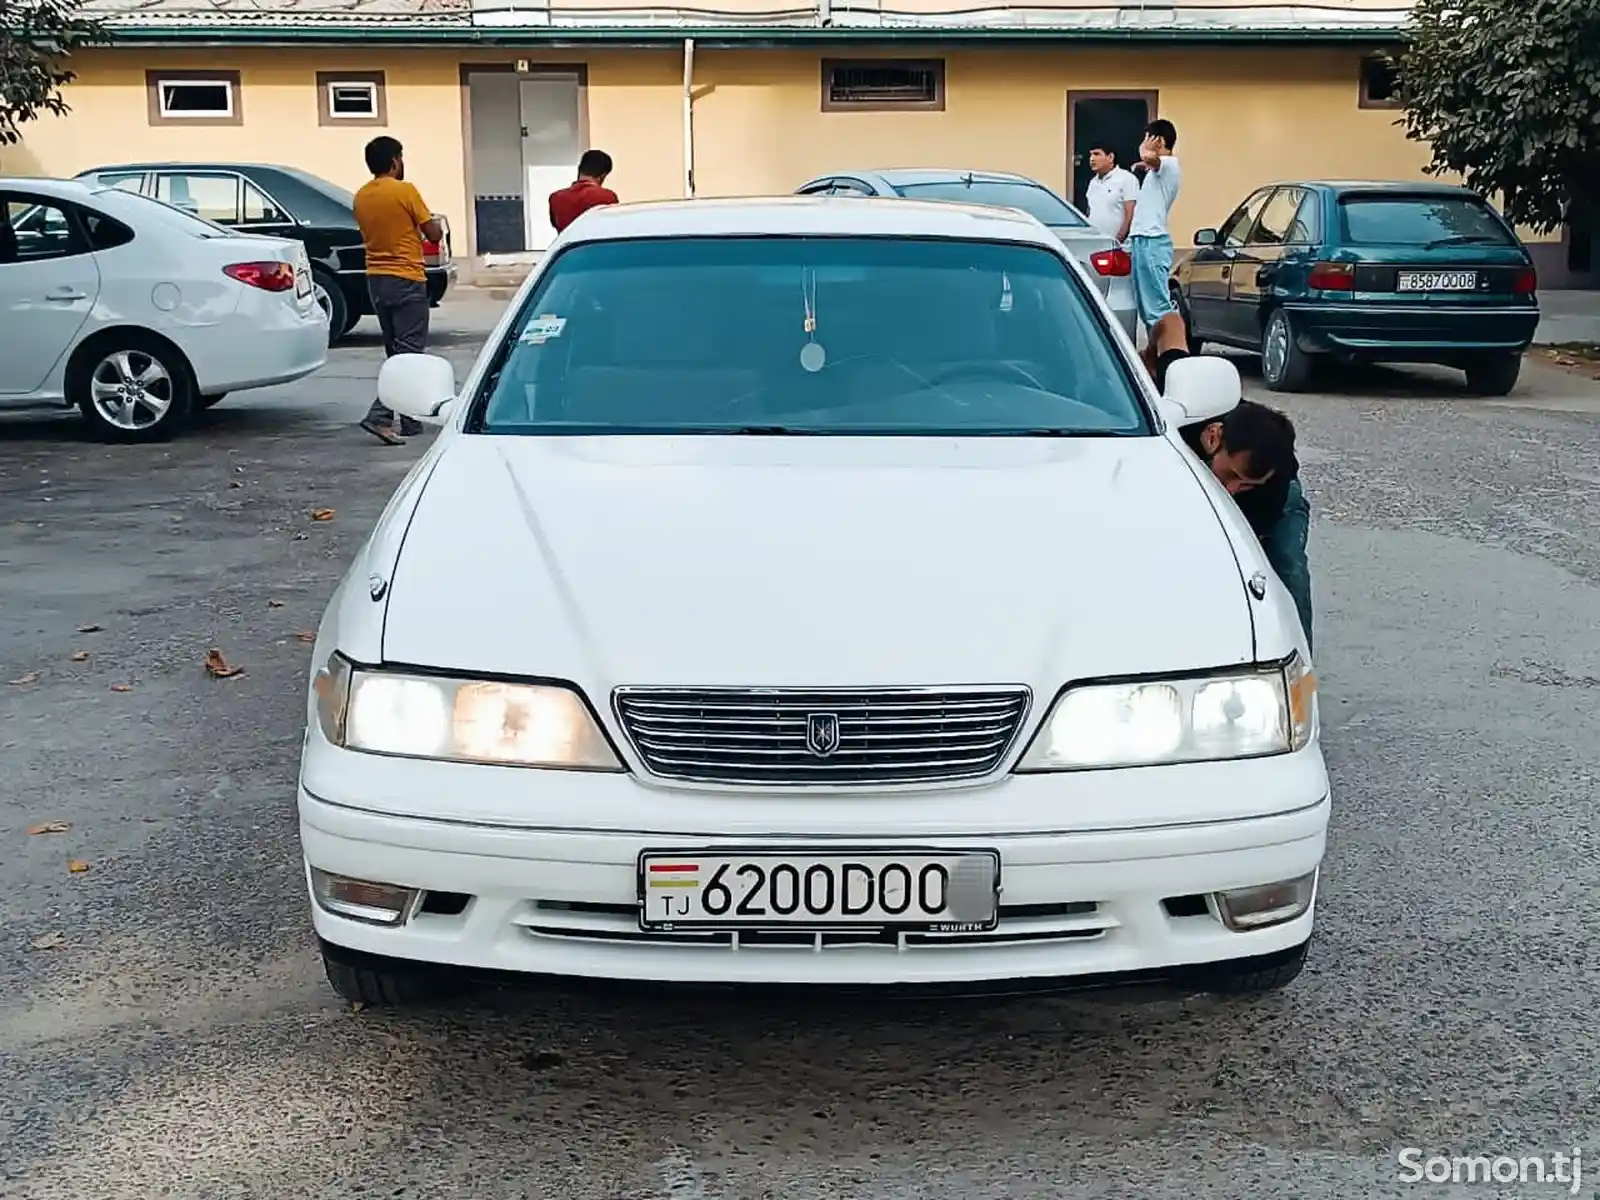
[
  {"x": 1241, "y": 713},
  {"x": 413, "y": 715}
]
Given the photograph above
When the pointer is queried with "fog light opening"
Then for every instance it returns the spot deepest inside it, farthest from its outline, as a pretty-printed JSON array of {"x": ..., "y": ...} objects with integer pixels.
[
  {"x": 1244, "y": 909},
  {"x": 361, "y": 900}
]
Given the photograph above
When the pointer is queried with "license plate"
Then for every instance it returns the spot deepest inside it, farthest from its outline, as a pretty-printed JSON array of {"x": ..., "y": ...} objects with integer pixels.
[
  {"x": 1437, "y": 281},
  {"x": 936, "y": 891}
]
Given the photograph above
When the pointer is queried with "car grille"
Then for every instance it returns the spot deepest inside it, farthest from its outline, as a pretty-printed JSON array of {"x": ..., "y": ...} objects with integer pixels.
[{"x": 773, "y": 737}]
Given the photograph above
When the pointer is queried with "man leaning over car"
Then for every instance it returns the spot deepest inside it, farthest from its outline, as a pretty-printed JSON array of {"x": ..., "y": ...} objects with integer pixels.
[{"x": 1250, "y": 449}]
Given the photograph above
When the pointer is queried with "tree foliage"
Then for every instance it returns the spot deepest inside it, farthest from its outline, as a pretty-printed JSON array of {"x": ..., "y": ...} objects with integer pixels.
[
  {"x": 37, "y": 37},
  {"x": 1507, "y": 95}
]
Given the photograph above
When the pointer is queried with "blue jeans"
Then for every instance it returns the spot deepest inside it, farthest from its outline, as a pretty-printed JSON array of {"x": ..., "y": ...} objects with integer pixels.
[{"x": 1152, "y": 267}]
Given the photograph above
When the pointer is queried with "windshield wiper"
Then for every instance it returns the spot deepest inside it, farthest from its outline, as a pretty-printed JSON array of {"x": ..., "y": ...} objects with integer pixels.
[{"x": 767, "y": 431}]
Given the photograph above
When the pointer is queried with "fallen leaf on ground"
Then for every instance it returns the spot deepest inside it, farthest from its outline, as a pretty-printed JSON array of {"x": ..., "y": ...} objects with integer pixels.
[
  {"x": 122, "y": 687},
  {"x": 80, "y": 656},
  {"x": 50, "y": 941},
  {"x": 236, "y": 484},
  {"x": 77, "y": 866},
  {"x": 274, "y": 603},
  {"x": 25, "y": 680},
  {"x": 89, "y": 628},
  {"x": 49, "y": 827},
  {"x": 322, "y": 514},
  {"x": 219, "y": 667},
  {"x": 1566, "y": 361},
  {"x": 307, "y": 635},
  {"x": 356, "y": 1006}
]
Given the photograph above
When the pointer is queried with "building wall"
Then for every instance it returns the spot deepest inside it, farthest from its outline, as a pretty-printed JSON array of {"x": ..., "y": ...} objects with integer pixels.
[{"x": 1245, "y": 116}]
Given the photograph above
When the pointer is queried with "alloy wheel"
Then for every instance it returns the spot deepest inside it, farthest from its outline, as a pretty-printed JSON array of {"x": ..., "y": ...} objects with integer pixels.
[
  {"x": 132, "y": 389},
  {"x": 1275, "y": 354}
]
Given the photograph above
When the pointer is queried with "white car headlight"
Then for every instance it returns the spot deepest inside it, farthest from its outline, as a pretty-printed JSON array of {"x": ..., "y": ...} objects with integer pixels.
[
  {"x": 461, "y": 720},
  {"x": 1243, "y": 713}
]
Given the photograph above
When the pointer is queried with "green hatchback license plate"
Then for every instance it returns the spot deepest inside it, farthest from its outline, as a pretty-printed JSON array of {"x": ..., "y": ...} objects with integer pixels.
[{"x": 1437, "y": 281}]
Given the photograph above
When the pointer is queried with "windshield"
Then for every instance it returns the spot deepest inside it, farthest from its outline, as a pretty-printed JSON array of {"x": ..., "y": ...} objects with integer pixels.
[
  {"x": 134, "y": 205},
  {"x": 1420, "y": 221},
  {"x": 1036, "y": 201},
  {"x": 710, "y": 335}
]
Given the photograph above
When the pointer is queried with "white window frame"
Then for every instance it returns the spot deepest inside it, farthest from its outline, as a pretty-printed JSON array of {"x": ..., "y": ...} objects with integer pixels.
[
  {"x": 168, "y": 114},
  {"x": 368, "y": 86}
]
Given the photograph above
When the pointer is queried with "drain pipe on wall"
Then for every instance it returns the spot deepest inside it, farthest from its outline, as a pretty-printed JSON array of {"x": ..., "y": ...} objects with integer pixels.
[{"x": 688, "y": 118}]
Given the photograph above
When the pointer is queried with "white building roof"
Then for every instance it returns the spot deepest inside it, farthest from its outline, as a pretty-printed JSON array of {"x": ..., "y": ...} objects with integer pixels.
[{"x": 1175, "y": 18}]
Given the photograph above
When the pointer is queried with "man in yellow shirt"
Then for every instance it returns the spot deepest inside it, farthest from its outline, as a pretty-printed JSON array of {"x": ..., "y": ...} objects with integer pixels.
[{"x": 393, "y": 221}]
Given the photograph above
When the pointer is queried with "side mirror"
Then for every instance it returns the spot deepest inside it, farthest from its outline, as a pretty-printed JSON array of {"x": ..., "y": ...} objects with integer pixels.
[
  {"x": 1202, "y": 388},
  {"x": 422, "y": 386},
  {"x": 1205, "y": 237}
]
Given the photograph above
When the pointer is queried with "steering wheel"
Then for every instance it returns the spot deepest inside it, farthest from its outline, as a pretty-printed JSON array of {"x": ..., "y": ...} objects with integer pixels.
[{"x": 993, "y": 370}]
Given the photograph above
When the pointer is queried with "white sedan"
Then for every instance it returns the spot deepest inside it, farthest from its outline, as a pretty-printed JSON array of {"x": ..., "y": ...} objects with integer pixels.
[
  {"x": 139, "y": 314},
  {"x": 811, "y": 591}
]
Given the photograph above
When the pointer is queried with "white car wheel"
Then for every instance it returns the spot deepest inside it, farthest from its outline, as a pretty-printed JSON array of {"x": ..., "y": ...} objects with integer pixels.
[{"x": 132, "y": 388}]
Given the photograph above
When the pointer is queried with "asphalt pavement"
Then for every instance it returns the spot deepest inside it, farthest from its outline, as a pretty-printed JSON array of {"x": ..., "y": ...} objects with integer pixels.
[{"x": 165, "y": 1029}]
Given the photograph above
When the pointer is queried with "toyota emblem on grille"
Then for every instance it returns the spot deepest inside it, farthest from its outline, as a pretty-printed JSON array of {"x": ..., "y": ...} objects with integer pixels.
[{"x": 822, "y": 733}]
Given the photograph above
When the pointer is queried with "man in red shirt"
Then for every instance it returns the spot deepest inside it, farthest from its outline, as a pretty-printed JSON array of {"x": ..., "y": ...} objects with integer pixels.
[{"x": 589, "y": 191}]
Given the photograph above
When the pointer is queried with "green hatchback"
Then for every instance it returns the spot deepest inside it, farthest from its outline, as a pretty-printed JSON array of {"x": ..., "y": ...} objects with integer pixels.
[{"x": 1364, "y": 272}]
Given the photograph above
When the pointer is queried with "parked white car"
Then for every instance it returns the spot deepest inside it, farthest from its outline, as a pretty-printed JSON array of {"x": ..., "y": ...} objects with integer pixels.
[
  {"x": 140, "y": 314},
  {"x": 811, "y": 592}
]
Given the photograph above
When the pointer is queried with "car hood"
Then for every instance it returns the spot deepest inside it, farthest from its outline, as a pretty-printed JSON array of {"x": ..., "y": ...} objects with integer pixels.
[{"x": 814, "y": 561}]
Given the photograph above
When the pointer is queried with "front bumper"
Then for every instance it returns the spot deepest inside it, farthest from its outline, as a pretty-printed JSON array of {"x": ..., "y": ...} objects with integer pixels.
[
  {"x": 1413, "y": 332},
  {"x": 564, "y": 901}
]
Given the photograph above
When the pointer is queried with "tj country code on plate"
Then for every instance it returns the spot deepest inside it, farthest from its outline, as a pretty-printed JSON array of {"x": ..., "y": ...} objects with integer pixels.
[{"x": 932, "y": 890}]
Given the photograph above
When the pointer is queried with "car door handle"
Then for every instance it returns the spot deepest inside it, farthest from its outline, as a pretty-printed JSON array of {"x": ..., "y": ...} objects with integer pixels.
[
  {"x": 1226, "y": 272},
  {"x": 65, "y": 293}
]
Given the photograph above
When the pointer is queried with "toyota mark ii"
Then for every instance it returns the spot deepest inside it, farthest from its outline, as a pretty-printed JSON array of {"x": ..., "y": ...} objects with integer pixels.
[{"x": 811, "y": 591}]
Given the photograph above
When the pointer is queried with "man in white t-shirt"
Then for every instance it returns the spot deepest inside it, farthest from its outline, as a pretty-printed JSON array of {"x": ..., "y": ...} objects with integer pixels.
[
  {"x": 1149, "y": 238},
  {"x": 1112, "y": 193}
]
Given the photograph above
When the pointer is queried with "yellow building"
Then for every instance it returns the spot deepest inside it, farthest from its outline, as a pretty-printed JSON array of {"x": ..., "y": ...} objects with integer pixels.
[{"x": 494, "y": 99}]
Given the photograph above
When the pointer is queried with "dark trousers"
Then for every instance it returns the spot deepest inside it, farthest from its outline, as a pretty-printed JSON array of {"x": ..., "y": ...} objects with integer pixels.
[{"x": 401, "y": 306}]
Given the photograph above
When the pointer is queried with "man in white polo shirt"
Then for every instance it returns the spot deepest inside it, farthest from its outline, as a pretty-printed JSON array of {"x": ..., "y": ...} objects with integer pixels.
[{"x": 1113, "y": 191}]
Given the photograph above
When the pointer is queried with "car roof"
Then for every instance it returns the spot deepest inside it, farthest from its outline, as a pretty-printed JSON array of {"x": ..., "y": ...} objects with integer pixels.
[
  {"x": 821, "y": 216},
  {"x": 58, "y": 189},
  {"x": 1423, "y": 186},
  {"x": 913, "y": 175}
]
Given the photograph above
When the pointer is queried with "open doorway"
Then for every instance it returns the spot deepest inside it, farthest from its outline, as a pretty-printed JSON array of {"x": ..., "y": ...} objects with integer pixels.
[{"x": 1112, "y": 120}]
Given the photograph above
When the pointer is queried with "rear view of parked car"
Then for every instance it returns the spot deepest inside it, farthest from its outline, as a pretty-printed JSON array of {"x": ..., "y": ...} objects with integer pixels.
[
  {"x": 1364, "y": 272},
  {"x": 284, "y": 202},
  {"x": 1110, "y": 265},
  {"x": 138, "y": 314}
]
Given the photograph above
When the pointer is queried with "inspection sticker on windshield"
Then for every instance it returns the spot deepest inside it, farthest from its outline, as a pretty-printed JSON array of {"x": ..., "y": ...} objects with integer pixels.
[{"x": 542, "y": 328}]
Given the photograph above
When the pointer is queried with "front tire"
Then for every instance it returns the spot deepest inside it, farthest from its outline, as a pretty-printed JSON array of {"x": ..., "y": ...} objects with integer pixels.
[
  {"x": 1250, "y": 976},
  {"x": 1284, "y": 366},
  {"x": 378, "y": 982},
  {"x": 131, "y": 387},
  {"x": 1494, "y": 375}
]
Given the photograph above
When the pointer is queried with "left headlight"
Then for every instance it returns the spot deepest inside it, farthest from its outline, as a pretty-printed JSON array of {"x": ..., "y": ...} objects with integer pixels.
[
  {"x": 1243, "y": 713},
  {"x": 459, "y": 720}
]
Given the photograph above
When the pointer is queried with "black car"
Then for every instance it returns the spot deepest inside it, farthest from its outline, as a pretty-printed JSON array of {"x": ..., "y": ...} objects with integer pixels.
[
  {"x": 1305, "y": 272},
  {"x": 283, "y": 202}
]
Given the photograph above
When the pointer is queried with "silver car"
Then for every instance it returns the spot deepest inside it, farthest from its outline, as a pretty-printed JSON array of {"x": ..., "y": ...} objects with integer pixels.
[{"x": 1095, "y": 249}]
